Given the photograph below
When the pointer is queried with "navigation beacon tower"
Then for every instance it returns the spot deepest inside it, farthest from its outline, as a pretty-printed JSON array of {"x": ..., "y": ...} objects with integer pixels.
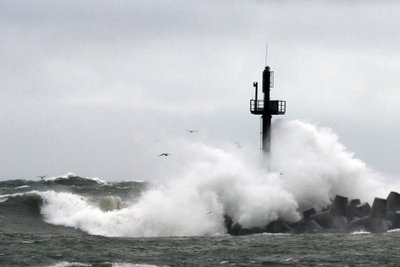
[{"x": 266, "y": 108}]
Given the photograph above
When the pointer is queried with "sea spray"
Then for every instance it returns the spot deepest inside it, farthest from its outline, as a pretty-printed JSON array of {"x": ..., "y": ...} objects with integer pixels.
[
  {"x": 220, "y": 183},
  {"x": 309, "y": 166},
  {"x": 245, "y": 192},
  {"x": 316, "y": 166}
]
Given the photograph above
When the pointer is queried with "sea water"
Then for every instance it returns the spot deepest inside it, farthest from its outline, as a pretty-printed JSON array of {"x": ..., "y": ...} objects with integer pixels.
[{"x": 27, "y": 240}]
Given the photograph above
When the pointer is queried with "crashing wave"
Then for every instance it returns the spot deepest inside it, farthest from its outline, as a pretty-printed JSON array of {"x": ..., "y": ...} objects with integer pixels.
[{"x": 311, "y": 167}]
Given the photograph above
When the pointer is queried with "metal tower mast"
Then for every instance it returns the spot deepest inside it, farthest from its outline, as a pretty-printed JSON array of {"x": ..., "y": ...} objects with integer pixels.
[{"x": 266, "y": 108}]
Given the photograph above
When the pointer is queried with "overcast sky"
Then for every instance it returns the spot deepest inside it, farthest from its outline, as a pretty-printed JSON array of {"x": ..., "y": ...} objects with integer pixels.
[{"x": 100, "y": 88}]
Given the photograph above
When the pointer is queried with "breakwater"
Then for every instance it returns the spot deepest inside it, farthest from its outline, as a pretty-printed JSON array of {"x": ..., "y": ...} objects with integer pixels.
[{"x": 342, "y": 215}]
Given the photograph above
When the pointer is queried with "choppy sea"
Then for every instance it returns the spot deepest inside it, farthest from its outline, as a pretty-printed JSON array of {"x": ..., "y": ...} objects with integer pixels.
[{"x": 46, "y": 223}]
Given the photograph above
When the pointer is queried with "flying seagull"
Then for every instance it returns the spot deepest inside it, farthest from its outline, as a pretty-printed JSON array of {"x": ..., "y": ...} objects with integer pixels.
[
  {"x": 238, "y": 145},
  {"x": 164, "y": 155},
  {"x": 192, "y": 131},
  {"x": 41, "y": 176}
]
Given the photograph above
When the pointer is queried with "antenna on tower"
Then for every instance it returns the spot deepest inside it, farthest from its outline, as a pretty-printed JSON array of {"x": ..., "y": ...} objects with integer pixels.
[{"x": 266, "y": 54}]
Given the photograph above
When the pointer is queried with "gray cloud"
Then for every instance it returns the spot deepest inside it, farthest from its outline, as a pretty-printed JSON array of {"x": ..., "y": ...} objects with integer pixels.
[{"x": 89, "y": 86}]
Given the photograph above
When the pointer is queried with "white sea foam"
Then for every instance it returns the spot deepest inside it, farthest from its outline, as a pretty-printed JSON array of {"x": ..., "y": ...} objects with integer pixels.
[
  {"x": 65, "y": 176},
  {"x": 22, "y": 186},
  {"x": 115, "y": 264},
  {"x": 361, "y": 233},
  {"x": 214, "y": 182},
  {"x": 67, "y": 264},
  {"x": 122, "y": 264},
  {"x": 11, "y": 195}
]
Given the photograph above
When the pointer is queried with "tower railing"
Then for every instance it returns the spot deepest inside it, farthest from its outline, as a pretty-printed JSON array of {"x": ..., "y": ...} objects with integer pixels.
[
  {"x": 276, "y": 107},
  {"x": 256, "y": 106}
]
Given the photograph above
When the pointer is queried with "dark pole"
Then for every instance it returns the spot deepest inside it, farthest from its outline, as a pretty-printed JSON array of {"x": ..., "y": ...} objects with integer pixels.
[
  {"x": 255, "y": 84},
  {"x": 266, "y": 108},
  {"x": 266, "y": 116}
]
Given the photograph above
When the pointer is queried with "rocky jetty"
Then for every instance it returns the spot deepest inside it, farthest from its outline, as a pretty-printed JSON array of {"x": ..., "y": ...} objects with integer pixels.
[{"x": 343, "y": 215}]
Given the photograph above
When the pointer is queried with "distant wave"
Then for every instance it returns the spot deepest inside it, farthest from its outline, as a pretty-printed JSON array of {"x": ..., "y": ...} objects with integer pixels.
[
  {"x": 22, "y": 203},
  {"x": 72, "y": 178},
  {"x": 68, "y": 182}
]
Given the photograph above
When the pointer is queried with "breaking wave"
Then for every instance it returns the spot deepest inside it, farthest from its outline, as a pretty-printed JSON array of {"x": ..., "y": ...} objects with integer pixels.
[{"x": 309, "y": 166}]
